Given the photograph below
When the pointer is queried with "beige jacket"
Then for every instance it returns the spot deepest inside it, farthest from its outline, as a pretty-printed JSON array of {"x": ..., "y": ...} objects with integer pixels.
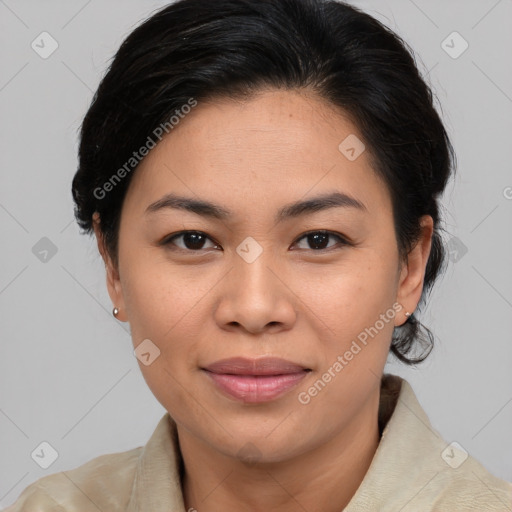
[{"x": 413, "y": 470}]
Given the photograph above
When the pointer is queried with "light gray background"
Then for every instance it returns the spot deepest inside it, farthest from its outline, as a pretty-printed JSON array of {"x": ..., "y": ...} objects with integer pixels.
[{"x": 68, "y": 375}]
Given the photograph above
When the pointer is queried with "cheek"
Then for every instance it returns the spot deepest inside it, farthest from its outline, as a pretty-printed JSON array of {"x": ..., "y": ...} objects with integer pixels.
[
  {"x": 158, "y": 297},
  {"x": 357, "y": 308},
  {"x": 167, "y": 307},
  {"x": 352, "y": 295},
  {"x": 165, "y": 311}
]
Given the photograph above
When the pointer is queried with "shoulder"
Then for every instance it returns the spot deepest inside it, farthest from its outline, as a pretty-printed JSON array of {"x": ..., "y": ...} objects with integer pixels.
[
  {"x": 448, "y": 477},
  {"x": 415, "y": 468},
  {"x": 103, "y": 483},
  {"x": 470, "y": 487}
]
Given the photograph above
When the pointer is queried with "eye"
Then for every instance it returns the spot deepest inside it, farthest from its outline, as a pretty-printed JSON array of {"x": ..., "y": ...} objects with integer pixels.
[
  {"x": 191, "y": 240},
  {"x": 194, "y": 241},
  {"x": 319, "y": 240}
]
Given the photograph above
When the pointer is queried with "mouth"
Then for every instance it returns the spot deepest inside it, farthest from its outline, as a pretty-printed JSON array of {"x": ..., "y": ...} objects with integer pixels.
[{"x": 255, "y": 380}]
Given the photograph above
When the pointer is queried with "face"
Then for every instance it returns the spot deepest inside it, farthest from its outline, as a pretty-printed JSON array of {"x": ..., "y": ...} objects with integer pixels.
[{"x": 295, "y": 257}]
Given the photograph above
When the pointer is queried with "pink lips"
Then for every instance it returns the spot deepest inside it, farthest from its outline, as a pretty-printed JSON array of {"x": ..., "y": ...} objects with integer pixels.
[{"x": 255, "y": 380}]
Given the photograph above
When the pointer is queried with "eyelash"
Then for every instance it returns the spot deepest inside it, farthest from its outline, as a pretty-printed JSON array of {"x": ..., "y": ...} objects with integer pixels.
[{"x": 168, "y": 241}]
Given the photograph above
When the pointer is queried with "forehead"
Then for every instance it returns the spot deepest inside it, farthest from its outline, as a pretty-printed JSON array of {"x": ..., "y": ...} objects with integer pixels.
[{"x": 277, "y": 143}]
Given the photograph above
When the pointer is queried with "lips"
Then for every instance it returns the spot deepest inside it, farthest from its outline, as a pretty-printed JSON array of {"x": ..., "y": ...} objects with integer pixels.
[
  {"x": 264, "y": 366},
  {"x": 255, "y": 380}
]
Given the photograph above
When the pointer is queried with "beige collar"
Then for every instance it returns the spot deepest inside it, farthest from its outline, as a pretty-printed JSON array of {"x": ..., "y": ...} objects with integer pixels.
[{"x": 408, "y": 471}]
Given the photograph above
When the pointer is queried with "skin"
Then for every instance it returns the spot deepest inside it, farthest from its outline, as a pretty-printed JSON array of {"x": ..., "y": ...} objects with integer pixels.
[{"x": 295, "y": 301}]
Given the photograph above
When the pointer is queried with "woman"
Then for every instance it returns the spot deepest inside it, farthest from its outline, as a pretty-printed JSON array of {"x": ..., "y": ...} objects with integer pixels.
[{"x": 263, "y": 180}]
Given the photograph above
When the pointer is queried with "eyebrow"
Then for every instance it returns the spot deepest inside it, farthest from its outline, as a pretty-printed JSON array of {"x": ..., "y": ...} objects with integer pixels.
[{"x": 292, "y": 210}]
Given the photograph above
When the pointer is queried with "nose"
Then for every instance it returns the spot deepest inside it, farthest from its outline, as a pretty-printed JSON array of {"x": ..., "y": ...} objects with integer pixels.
[{"x": 255, "y": 297}]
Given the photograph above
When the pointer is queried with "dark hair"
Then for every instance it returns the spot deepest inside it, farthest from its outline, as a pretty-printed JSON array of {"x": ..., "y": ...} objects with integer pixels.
[{"x": 205, "y": 49}]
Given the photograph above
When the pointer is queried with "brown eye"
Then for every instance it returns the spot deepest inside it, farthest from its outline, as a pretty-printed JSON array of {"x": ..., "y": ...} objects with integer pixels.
[
  {"x": 189, "y": 240},
  {"x": 319, "y": 240}
]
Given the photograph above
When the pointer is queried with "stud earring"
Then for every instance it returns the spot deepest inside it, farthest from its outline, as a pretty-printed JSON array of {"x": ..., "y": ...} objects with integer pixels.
[{"x": 115, "y": 312}]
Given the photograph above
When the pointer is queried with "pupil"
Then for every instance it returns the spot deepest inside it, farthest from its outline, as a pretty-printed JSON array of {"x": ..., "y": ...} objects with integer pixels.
[
  {"x": 193, "y": 240},
  {"x": 318, "y": 239}
]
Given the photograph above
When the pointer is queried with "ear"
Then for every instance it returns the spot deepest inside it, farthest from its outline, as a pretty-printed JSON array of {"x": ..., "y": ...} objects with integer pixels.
[
  {"x": 412, "y": 273},
  {"x": 112, "y": 273}
]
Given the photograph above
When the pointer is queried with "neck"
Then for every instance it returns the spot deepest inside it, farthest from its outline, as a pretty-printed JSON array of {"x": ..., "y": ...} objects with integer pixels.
[{"x": 323, "y": 479}]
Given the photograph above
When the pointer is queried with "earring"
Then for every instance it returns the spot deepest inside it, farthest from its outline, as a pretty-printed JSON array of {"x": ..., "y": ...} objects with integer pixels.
[
  {"x": 407, "y": 314},
  {"x": 115, "y": 312}
]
